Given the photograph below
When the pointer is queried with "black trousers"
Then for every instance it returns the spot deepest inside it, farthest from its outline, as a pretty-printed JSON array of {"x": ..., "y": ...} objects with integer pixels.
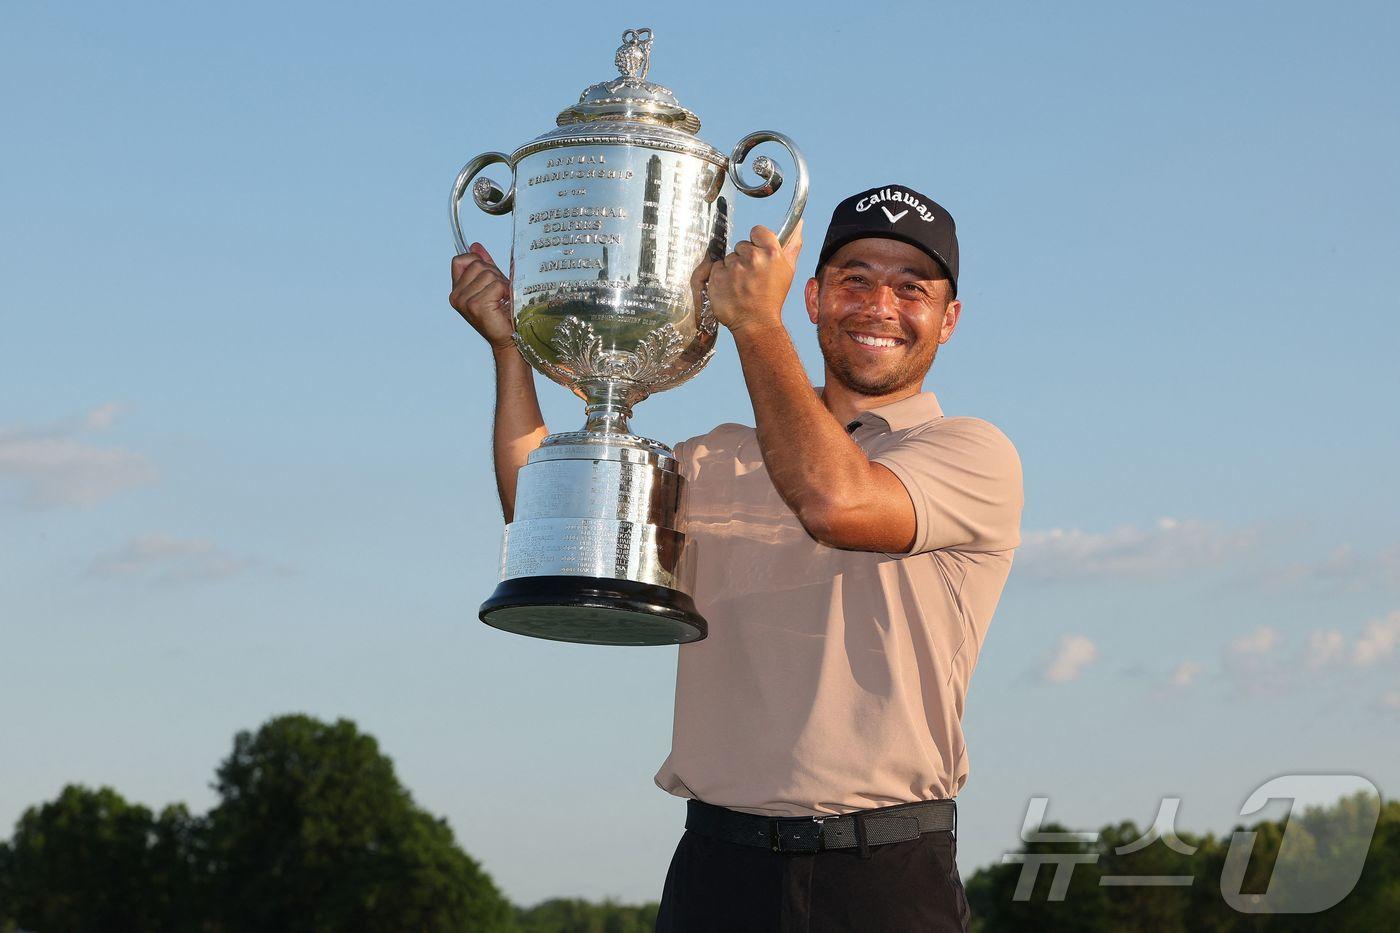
[{"x": 902, "y": 887}]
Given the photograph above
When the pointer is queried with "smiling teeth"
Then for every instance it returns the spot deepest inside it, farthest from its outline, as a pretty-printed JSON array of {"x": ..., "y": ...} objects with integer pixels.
[{"x": 875, "y": 341}]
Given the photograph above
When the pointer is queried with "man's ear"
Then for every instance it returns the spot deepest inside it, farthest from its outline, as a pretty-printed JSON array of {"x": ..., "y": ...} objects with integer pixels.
[
  {"x": 950, "y": 320},
  {"x": 810, "y": 295}
]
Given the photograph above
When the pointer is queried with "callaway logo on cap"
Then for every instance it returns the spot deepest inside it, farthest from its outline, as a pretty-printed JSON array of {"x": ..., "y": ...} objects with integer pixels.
[{"x": 899, "y": 213}]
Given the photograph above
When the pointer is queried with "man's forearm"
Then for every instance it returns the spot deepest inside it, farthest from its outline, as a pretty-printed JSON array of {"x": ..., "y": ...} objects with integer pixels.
[
  {"x": 519, "y": 425},
  {"x": 812, "y": 461}
]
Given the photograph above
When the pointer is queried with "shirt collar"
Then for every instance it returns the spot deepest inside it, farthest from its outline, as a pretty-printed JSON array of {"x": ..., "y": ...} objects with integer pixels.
[{"x": 901, "y": 415}]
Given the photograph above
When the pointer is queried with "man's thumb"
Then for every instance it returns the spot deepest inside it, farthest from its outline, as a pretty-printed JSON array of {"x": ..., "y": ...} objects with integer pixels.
[
  {"x": 794, "y": 243},
  {"x": 481, "y": 251}
]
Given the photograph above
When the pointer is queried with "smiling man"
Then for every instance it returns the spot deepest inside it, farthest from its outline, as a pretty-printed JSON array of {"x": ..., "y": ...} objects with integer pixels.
[{"x": 849, "y": 551}]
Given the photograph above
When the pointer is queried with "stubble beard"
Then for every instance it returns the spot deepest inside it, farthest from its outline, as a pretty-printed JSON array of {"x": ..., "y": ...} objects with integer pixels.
[{"x": 910, "y": 370}]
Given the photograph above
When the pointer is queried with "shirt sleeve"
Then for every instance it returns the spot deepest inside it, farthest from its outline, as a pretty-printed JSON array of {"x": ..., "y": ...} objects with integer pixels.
[
  {"x": 685, "y": 454},
  {"x": 964, "y": 477}
]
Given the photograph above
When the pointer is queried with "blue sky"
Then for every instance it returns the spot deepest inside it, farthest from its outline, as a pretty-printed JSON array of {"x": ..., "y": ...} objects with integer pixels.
[{"x": 243, "y": 439}]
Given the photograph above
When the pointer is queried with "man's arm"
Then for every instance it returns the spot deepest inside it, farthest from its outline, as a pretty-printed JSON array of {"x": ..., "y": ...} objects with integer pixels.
[
  {"x": 519, "y": 427},
  {"x": 481, "y": 294},
  {"x": 840, "y": 497}
]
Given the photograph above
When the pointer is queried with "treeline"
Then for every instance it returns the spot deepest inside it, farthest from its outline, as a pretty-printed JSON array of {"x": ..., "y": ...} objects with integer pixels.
[
  {"x": 312, "y": 832},
  {"x": 1325, "y": 846}
]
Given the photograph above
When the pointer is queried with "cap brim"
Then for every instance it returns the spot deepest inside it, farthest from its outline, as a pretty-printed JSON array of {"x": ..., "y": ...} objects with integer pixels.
[{"x": 831, "y": 246}]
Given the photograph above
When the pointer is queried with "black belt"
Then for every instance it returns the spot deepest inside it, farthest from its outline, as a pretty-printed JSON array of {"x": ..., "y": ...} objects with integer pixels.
[{"x": 861, "y": 829}]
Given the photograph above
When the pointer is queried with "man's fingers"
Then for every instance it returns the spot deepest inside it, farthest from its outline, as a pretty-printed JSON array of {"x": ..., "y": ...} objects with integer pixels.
[
  {"x": 473, "y": 277},
  {"x": 718, "y": 276},
  {"x": 794, "y": 243},
  {"x": 486, "y": 289},
  {"x": 701, "y": 273},
  {"x": 481, "y": 251},
  {"x": 470, "y": 295},
  {"x": 476, "y": 256},
  {"x": 494, "y": 287},
  {"x": 461, "y": 263},
  {"x": 764, "y": 238}
]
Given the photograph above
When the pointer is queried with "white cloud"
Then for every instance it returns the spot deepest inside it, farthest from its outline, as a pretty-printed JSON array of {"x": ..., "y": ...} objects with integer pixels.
[
  {"x": 1169, "y": 546},
  {"x": 1256, "y": 662},
  {"x": 166, "y": 559},
  {"x": 1390, "y": 700},
  {"x": 1252, "y": 663},
  {"x": 1260, "y": 641},
  {"x": 1324, "y": 649},
  {"x": 102, "y": 417},
  {"x": 1074, "y": 653},
  {"x": 1378, "y": 642},
  {"x": 1172, "y": 546},
  {"x": 1344, "y": 569},
  {"x": 1185, "y": 674},
  {"x": 56, "y": 465}
]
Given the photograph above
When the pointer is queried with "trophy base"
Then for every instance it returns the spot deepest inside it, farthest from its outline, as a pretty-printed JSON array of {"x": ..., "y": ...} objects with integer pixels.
[{"x": 594, "y": 611}]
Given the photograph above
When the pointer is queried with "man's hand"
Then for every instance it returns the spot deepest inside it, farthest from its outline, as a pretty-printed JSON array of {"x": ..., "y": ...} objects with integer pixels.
[
  {"x": 481, "y": 294},
  {"x": 747, "y": 288}
]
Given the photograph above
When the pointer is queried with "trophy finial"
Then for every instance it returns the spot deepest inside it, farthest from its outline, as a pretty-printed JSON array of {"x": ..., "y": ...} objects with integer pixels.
[{"x": 634, "y": 55}]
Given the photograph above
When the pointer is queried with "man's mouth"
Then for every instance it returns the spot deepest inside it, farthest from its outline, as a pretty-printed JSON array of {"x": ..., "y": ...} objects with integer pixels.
[{"x": 877, "y": 342}]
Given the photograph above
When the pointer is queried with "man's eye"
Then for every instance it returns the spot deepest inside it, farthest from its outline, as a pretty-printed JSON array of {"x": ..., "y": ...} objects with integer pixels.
[
  {"x": 916, "y": 289},
  {"x": 855, "y": 279}
]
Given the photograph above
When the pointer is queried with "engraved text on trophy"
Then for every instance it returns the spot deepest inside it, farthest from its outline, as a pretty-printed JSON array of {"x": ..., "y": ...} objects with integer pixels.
[{"x": 610, "y": 238}]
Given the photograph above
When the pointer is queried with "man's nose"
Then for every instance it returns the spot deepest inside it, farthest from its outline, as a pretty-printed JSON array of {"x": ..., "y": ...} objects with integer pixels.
[{"x": 883, "y": 301}]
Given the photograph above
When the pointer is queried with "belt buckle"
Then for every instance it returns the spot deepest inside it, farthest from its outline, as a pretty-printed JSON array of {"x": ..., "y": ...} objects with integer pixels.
[{"x": 775, "y": 839}]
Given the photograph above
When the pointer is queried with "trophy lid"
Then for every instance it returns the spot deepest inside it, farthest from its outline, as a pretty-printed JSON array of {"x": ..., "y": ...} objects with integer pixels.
[{"x": 631, "y": 97}]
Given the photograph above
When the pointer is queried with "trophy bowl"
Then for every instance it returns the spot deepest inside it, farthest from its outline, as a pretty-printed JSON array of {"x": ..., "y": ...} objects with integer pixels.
[{"x": 616, "y": 213}]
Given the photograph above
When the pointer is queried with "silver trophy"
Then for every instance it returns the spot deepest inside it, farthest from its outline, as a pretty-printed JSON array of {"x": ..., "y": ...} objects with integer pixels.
[{"x": 615, "y": 209}]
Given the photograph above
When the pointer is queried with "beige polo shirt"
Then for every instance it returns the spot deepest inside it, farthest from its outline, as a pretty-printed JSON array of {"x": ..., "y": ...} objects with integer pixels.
[{"x": 834, "y": 680}]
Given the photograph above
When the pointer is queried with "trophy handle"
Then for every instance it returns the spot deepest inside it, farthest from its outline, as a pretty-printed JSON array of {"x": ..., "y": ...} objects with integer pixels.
[
  {"x": 486, "y": 193},
  {"x": 771, "y": 176}
]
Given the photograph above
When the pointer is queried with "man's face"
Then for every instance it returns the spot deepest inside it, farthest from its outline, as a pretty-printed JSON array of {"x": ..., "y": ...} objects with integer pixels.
[{"x": 882, "y": 309}]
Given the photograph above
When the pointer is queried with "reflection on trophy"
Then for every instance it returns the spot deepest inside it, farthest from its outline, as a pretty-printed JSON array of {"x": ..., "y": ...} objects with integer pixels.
[{"x": 614, "y": 212}]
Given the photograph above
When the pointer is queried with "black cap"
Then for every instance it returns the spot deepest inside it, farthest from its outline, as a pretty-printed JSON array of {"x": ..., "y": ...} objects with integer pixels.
[{"x": 895, "y": 212}]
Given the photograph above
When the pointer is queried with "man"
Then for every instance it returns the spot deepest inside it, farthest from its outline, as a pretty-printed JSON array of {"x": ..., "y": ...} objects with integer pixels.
[{"x": 849, "y": 552}]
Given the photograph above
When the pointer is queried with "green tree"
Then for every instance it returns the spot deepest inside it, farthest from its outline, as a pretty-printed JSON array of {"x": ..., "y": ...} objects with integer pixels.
[
  {"x": 178, "y": 885},
  {"x": 1324, "y": 842},
  {"x": 1142, "y": 909},
  {"x": 7, "y": 919},
  {"x": 91, "y": 861},
  {"x": 313, "y": 832},
  {"x": 565, "y": 915},
  {"x": 991, "y": 893}
]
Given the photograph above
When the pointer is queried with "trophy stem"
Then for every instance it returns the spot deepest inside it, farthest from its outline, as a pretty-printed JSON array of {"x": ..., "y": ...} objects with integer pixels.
[{"x": 609, "y": 405}]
